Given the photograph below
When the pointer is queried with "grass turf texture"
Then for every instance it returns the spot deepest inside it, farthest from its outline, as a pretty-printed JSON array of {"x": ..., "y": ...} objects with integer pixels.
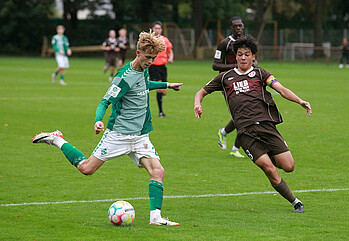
[{"x": 194, "y": 165}]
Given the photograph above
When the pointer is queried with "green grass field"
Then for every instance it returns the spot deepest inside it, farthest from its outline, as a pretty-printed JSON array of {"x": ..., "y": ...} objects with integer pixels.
[{"x": 194, "y": 164}]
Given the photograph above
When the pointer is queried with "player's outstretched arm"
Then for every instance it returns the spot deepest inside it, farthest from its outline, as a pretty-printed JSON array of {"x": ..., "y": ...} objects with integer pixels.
[
  {"x": 289, "y": 95},
  {"x": 197, "y": 102},
  {"x": 174, "y": 86}
]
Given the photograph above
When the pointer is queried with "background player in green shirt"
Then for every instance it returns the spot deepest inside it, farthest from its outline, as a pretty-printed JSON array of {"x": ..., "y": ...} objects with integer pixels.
[
  {"x": 128, "y": 125},
  {"x": 60, "y": 44}
]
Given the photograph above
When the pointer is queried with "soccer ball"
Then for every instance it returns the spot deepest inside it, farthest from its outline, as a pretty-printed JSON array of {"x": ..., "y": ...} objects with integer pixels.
[{"x": 121, "y": 213}]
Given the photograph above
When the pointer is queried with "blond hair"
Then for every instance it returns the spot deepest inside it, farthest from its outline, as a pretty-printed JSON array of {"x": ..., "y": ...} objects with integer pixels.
[
  {"x": 122, "y": 30},
  {"x": 150, "y": 43}
]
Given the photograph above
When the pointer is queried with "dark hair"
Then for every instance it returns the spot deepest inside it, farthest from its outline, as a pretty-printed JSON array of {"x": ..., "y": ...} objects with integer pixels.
[
  {"x": 156, "y": 23},
  {"x": 246, "y": 41},
  {"x": 235, "y": 18}
]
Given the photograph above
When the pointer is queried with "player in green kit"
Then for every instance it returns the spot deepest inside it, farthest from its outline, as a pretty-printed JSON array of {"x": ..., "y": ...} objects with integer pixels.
[
  {"x": 129, "y": 124},
  {"x": 60, "y": 44}
]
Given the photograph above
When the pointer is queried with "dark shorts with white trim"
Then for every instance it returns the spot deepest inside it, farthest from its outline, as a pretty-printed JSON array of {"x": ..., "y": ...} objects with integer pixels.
[
  {"x": 158, "y": 73},
  {"x": 261, "y": 138}
]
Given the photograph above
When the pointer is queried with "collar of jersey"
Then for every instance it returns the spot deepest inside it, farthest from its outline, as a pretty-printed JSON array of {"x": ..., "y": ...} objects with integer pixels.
[{"x": 248, "y": 71}]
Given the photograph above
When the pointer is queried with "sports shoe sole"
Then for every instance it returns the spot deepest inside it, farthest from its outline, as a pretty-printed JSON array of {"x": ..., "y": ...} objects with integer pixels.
[
  {"x": 37, "y": 138},
  {"x": 164, "y": 224}
]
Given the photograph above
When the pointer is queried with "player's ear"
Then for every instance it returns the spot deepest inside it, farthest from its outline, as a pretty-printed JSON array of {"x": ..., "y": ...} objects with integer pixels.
[
  {"x": 137, "y": 52},
  {"x": 253, "y": 57}
]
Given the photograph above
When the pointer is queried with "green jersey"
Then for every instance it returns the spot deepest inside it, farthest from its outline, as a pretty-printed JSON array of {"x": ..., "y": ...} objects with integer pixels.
[
  {"x": 129, "y": 96},
  {"x": 60, "y": 42}
]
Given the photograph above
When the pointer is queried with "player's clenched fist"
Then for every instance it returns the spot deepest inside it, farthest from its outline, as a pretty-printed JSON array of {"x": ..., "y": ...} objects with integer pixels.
[{"x": 99, "y": 127}]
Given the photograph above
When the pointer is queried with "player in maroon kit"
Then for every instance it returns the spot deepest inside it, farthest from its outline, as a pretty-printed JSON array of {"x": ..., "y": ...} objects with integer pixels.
[
  {"x": 225, "y": 59},
  {"x": 255, "y": 114}
]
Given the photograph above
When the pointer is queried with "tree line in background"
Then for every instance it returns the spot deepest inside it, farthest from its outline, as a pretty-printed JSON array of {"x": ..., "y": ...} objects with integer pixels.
[{"x": 25, "y": 22}]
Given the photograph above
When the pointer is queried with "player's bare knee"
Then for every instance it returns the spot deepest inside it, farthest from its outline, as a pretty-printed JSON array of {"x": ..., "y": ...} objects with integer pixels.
[
  {"x": 269, "y": 170},
  {"x": 289, "y": 167},
  {"x": 158, "y": 172},
  {"x": 86, "y": 170}
]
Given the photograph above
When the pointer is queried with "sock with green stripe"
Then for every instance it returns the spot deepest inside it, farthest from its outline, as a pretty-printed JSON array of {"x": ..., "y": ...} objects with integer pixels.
[
  {"x": 73, "y": 155},
  {"x": 156, "y": 192}
]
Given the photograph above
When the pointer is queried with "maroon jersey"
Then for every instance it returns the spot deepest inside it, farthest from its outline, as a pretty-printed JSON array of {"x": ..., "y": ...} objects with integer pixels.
[
  {"x": 225, "y": 52},
  {"x": 246, "y": 95},
  {"x": 112, "y": 42}
]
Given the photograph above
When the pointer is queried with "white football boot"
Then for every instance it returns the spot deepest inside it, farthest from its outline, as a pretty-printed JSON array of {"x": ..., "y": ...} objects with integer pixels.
[
  {"x": 236, "y": 154},
  {"x": 222, "y": 140},
  {"x": 156, "y": 219},
  {"x": 46, "y": 137}
]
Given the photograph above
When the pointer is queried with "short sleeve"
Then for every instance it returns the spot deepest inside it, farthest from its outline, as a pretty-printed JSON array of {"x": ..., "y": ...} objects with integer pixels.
[
  {"x": 220, "y": 52},
  {"x": 117, "y": 90},
  {"x": 215, "y": 84},
  {"x": 268, "y": 78},
  {"x": 168, "y": 44}
]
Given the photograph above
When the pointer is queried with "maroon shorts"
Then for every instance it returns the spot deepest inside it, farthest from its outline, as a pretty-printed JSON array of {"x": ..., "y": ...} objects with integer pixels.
[
  {"x": 261, "y": 138},
  {"x": 111, "y": 58}
]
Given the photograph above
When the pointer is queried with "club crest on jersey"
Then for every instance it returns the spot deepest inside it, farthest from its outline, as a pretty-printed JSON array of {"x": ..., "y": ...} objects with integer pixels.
[
  {"x": 241, "y": 86},
  {"x": 252, "y": 74}
]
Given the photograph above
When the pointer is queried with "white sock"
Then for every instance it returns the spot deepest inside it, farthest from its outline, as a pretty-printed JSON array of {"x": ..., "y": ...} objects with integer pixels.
[
  {"x": 155, "y": 214},
  {"x": 234, "y": 149},
  {"x": 59, "y": 142},
  {"x": 295, "y": 202},
  {"x": 223, "y": 132}
]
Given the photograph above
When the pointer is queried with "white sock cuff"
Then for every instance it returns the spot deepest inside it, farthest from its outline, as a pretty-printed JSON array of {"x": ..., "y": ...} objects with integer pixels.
[
  {"x": 223, "y": 132},
  {"x": 234, "y": 149},
  {"x": 59, "y": 142},
  {"x": 295, "y": 202},
  {"x": 155, "y": 214}
]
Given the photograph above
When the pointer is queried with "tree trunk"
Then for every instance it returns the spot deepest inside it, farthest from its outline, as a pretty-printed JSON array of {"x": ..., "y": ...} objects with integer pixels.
[
  {"x": 317, "y": 27},
  {"x": 197, "y": 15},
  {"x": 146, "y": 8}
]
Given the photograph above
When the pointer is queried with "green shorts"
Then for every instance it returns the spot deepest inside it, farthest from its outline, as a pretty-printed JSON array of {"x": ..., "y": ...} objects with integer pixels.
[{"x": 261, "y": 138}]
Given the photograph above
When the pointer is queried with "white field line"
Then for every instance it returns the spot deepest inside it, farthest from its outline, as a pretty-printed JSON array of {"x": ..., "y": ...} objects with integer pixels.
[{"x": 170, "y": 197}]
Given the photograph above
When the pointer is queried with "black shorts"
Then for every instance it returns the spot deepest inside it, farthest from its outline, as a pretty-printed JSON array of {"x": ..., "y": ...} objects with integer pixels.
[
  {"x": 158, "y": 73},
  {"x": 262, "y": 138},
  {"x": 121, "y": 55},
  {"x": 111, "y": 58}
]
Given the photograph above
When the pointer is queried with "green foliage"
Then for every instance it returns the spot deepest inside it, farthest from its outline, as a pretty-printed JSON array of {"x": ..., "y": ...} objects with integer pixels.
[
  {"x": 194, "y": 165},
  {"x": 23, "y": 24},
  {"x": 225, "y": 9}
]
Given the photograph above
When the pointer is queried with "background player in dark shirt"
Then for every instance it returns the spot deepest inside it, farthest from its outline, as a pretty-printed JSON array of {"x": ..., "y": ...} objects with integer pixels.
[
  {"x": 255, "y": 114},
  {"x": 121, "y": 47},
  {"x": 224, "y": 60},
  {"x": 345, "y": 53},
  {"x": 110, "y": 54}
]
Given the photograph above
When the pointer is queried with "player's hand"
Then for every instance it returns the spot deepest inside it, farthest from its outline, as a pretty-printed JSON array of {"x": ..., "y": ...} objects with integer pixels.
[
  {"x": 61, "y": 52},
  {"x": 170, "y": 60},
  {"x": 174, "y": 86},
  {"x": 117, "y": 49},
  {"x": 99, "y": 127},
  {"x": 198, "y": 111},
  {"x": 306, "y": 105},
  {"x": 69, "y": 52}
]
